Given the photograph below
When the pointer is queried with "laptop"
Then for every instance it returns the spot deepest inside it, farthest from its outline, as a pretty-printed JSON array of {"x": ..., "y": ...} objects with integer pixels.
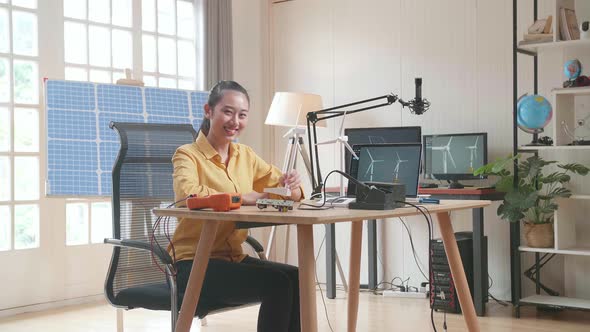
[
  {"x": 407, "y": 171},
  {"x": 386, "y": 162}
]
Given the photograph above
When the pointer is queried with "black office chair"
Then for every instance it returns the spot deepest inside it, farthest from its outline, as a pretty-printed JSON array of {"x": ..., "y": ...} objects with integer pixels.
[{"x": 142, "y": 180}]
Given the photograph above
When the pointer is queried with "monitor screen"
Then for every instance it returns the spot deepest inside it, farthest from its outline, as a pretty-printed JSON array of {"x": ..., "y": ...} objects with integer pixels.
[
  {"x": 376, "y": 136},
  {"x": 454, "y": 156},
  {"x": 389, "y": 163}
]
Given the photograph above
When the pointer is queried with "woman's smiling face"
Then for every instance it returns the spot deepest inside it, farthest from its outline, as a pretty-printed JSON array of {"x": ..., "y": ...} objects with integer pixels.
[{"x": 229, "y": 116}]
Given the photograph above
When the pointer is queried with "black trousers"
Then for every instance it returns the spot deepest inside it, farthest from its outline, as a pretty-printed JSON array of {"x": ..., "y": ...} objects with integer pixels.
[{"x": 274, "y": 285}]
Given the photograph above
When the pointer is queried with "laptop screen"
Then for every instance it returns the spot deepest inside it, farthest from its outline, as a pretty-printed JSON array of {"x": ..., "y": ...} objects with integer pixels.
[{"x": 389, "y": 163}]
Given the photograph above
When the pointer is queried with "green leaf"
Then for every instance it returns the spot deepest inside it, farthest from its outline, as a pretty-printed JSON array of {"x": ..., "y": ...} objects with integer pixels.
[
  {"x": 505, "y": 184},
  {"x": 532, "y": 167},
  {"x": 555, "y": 177},
  {"x": 509, "y": 213},
  {"x": 575, "y": 168},
  {"x": 560, "y": 192}
]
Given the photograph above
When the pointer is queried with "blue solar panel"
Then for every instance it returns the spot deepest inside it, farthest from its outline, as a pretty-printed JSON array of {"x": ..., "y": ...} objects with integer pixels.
[{"x": 81, "y": 148}]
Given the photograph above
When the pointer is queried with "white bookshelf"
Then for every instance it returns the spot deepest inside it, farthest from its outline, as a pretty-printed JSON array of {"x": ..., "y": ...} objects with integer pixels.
[
  {"x": 554, "y": 148},
  {"x": 579, "y": 251},
  {"x": 540, "y": 47},
  {"x": 570, "y": 105}
]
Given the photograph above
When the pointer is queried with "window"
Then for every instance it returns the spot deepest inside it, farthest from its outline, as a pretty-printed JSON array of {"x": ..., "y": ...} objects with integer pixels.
[
  {"x": 102, "y": 38},
  {"x": 19, "y": 125},
  {"x": 98, "y": 42},
  {"x": 168, "y": 43},
  {"x": 88, "y": 222}
]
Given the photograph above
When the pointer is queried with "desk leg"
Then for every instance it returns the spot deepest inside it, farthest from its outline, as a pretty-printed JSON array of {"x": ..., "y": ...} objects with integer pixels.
[
  {"x": 331, "y": 260},
  {"x": 354, "y": 275},
  {"x": 309, "y": 321},
  {"x": 479, "y": 272},
  {"x": 456, "y": 265},
  {"x": 372, "y": 242},
  {"x": 195, "y": 280}
]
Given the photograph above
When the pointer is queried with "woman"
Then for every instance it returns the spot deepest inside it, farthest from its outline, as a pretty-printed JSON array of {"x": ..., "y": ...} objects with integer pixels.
[{"x": 213, "y": 163}]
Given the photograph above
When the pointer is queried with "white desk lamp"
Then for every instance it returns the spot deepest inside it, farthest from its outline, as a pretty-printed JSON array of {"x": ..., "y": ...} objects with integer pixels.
[{"x": 289, "y": 109}]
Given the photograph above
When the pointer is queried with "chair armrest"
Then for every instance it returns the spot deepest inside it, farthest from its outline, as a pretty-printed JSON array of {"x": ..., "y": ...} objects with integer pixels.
[
  {"x": 254, "y": 244},
  {"x": 156, "y": 250}
]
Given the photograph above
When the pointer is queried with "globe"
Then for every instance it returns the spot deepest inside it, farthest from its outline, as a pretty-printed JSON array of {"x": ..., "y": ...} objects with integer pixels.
[
  {"x": 572, "y": 69},
  {"x": 533, "y": 113}
]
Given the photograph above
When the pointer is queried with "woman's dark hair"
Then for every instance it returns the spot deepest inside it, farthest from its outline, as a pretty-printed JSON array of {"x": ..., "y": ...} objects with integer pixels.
[{"x": 215, "y": 96}]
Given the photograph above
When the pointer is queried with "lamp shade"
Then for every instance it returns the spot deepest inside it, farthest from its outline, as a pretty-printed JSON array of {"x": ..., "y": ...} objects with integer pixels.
[{"x": 286, "y": 105}]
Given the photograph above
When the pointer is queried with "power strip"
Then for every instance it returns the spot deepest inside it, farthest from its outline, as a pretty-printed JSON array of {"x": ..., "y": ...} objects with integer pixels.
[{"x": 413, "y": 295}]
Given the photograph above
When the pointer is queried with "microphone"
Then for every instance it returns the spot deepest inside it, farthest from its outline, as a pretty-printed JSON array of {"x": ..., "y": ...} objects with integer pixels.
[{"x": 419, "y": 105}]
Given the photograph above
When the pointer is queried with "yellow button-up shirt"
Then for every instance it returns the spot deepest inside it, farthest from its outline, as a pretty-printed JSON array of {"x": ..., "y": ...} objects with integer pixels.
[{"x": 198, "y": 170}]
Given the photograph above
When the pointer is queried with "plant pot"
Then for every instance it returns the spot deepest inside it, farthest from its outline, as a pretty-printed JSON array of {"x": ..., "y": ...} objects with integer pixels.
[{"x": 539, "y": 235}]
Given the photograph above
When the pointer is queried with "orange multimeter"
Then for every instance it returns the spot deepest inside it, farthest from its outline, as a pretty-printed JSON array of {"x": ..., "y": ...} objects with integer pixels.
[{"x": 217, "y": 202}]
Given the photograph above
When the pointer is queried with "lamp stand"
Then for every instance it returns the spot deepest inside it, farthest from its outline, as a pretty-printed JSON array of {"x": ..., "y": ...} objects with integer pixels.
[{"x": 294, "y": 145}]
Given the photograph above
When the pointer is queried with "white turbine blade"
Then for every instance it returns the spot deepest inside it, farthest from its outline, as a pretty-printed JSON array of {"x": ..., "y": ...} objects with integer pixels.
[
  {"x": 349, "y": 148},
  {"x": 448, "y": 146},
  {"x": 368, "y": 169},
  {"x": 452, "y": 160},
  {"x": 342, "y": 124},
  {"x": 327, "y": 142},
  {"x": 370, "y": 156}
]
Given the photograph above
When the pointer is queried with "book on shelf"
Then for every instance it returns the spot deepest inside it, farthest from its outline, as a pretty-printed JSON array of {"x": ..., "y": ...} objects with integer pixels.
[
  {"x": 548, "y": 23},
  {"x": 568, "y": 27},
  {"x": 542, "y": 25},
  {"x": 538, "y": 37},
  {"x": 538, "y": 26}
]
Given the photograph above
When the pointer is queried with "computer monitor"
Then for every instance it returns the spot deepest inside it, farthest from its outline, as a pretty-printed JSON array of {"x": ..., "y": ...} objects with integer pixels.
[
  {"x": 389, "y": 163},
  {"x": 454, "y": 157},
  {"x": 376, "y": 136}
]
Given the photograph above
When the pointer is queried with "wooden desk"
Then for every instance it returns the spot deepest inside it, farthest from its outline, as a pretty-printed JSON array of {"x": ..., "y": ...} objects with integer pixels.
[{"x": 305, "y": 219}]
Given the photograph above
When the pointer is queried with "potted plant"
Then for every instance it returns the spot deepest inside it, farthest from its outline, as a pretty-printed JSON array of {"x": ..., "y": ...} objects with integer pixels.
[{"x": 533, "y": 198}]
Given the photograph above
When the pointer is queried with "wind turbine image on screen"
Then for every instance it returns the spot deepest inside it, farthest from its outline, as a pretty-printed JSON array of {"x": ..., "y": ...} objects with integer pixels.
[
  {"x": 459, "y": 154},
  {"x": 473, "y": 154},
  {"x": 377, "y": 162},
  {"x": 397, "y": 165},
  {"x": 370, "y": 169},
  {"x": 446, "y": 154}
]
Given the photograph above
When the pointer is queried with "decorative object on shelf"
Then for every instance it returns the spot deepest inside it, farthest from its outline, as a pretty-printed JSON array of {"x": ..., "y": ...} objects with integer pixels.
[
  {"x": 533, "y": 113},
  {"x": 572, "y": 69},
  {"x": 585, "y": 30},
  {"x": 546, "y": 140},
  {"x": 576, "y": 140},
  {"x": 533, "y": 199}
]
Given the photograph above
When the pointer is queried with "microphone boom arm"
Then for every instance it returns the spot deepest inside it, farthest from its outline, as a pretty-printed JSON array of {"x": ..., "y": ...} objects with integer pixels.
[{"x": 333, "y": 112}]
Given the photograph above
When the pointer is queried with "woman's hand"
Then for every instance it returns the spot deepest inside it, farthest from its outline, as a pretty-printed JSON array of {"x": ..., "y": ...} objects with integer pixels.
[
  {"x": 292, "y": 181},
  {"x": 250, "y": 198}
]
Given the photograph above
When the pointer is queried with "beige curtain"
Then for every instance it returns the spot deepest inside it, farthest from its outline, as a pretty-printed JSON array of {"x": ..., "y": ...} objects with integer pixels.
[{"x": 218, "y": 41}]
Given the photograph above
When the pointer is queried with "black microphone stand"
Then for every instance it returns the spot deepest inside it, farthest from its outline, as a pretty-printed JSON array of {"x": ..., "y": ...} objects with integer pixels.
[{"x": 328, "y": 113}]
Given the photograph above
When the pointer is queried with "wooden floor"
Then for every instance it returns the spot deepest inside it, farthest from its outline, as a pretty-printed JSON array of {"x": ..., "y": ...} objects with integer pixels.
[{"x": 376, "y": 313}]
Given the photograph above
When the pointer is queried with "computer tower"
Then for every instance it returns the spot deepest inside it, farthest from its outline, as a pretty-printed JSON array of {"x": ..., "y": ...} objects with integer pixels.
[{"x": 443, "y": 295}]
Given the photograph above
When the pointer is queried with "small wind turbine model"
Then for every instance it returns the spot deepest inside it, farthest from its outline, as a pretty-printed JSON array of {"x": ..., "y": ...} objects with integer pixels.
[
  {"x": 343, "y": 140},
  {"x": 472, "y": 153},
  {"x": 371, "y": 167},
  {"x": 396, "y": 169},
  {"x": 446, "y": 151}
]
